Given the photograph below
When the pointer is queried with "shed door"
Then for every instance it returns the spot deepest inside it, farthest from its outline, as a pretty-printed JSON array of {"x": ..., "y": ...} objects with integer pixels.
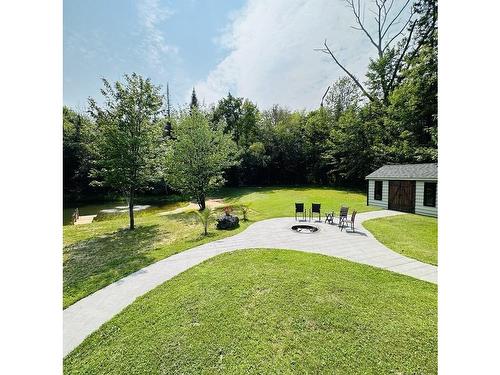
[{"x": 402, "y": 196}]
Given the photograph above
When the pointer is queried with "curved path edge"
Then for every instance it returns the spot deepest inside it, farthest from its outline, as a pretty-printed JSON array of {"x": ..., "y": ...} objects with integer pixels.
[{"x": 87, "y": 315}]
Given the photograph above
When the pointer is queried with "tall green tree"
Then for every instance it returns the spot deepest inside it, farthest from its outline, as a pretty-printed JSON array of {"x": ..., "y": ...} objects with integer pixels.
[
  {"x": 167, "y": 129},
  {"x": 398, "y": 30},
  {"x": 412, "y": 112},
  {"x": 237, "y": 116},
  {"x": 198, "y": 156},
  {"x": 317, "y": 127},
  {"x": 129, "y": 141},
  {"x": 352, "y": 145},
  {"x": 343, "y": 94},
  {"x": 194, "y": 101},
  {"x": 78, "y": 133}
]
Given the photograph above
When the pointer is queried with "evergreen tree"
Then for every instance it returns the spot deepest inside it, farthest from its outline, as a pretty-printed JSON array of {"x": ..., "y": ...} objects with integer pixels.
[
  {"x": 194, "y": 100},
  {"x": 167, "y": 131}
]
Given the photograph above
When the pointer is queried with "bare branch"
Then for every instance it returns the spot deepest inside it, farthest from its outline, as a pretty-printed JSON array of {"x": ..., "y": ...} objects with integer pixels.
[
  {"x": 355, "y": 80},
  {"x": 378, "y": 25},
  {"x": 423, "y": 39},
  {"x": 386, "y": 11},
  {"x": 396, "y": 17},
  {"x": 323, "y": 98},
  {"x": 360, "y": 23},
  {"x": 398, "y": 33},
  {"x": 401, "y": 56}
]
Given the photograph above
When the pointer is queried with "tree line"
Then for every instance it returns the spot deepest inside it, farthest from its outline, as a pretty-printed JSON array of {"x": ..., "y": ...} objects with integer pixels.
[{"x": 135, "y": 141}]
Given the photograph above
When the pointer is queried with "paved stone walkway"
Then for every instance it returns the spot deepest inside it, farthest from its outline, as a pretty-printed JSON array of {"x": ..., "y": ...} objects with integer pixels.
[{"x": 88, "y": 314}]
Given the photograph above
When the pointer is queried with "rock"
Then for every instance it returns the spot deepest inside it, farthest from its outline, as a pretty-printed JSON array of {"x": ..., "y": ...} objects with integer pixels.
[{"x": 227, "y": 222}]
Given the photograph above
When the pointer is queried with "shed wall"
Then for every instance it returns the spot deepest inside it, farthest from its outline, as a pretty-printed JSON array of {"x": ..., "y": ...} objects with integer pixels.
[
  {"x": 419, "y": 201},
  {"x": 385, "y": 194}
]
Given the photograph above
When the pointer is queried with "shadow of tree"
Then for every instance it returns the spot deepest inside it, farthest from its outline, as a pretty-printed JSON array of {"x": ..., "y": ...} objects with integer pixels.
[{"x": 103, "y": 259}]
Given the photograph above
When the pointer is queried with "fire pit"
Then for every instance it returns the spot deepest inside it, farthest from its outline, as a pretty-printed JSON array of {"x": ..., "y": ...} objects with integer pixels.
[{"x": 304, "y": 228}]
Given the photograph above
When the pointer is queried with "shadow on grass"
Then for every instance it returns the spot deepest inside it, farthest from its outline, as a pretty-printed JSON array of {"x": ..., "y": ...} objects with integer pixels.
[
  {"x": 92, "y": 263},
  {"x": 212, "y": 235}
]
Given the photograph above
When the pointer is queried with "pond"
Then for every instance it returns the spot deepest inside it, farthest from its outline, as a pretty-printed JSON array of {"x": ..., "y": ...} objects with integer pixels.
[
  {"x": 94, "y": 208},
  {"x": 89, "y": 209}
]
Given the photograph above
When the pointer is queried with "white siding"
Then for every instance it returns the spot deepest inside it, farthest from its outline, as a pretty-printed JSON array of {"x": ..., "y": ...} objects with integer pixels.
[
  {"x": 385, "y": 194},
  {"x": 419, "y": 201}
]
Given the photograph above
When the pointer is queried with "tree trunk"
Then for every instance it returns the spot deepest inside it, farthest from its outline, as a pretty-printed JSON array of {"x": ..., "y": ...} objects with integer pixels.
[
  {"x": 131, "y": 209},
  {"x": 201, "y": 202}
]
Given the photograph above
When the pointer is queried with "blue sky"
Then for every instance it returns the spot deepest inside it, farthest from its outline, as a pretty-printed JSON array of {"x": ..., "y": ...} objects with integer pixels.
[
  {"x": 113, "y": 37},
  {"x": 260, "y": 49}
]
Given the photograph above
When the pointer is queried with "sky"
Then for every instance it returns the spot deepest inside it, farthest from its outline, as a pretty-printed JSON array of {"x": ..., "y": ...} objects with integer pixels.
[{"x": 258, "y": 49}]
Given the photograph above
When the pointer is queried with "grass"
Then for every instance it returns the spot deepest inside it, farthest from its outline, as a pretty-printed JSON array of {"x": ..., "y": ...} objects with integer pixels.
[
  {"x": 271, "y": 202},
  {"x": 414, "y": 236},
  {"x": 98, "y": 254},
  {"x": 281, "y": 312}
]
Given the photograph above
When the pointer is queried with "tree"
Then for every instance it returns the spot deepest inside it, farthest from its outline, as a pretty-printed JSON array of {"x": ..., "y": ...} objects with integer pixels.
[
  {"x": 237, "y": 117},
  {"x": 167, "y": 130},
  {"x": 129, "y": 144},
  {"x": 412, "y": 112},
  {"x": 194, "y": 101},
  {"x": 240, "y": 118},
  {"x": 228, "y": 109},
  {"x": 78, "y": 132},
  {"x": 198, "y": 156},
  {"x": 317, "y": 127},
  {"x": 342, "y": 94},
  {"x": 391, "y": 41},
  {"x": 351, "y": 146}
]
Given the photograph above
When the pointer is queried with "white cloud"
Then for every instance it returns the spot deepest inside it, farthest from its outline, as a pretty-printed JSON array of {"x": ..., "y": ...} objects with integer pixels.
[
  {"x": 151, "y": 15},
  {"x": 271, "y": 57}
]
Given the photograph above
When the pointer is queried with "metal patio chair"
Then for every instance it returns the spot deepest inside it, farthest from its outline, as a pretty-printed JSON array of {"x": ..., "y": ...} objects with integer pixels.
[
  {"x": 343, "y": 215},
  {"x": 315, "y": 209},
  {"x": 346, "y": 223},
  {"x": 299, "y": 208}
]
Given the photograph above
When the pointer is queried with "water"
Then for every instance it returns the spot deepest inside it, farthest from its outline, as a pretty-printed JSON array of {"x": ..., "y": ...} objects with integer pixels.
[
  {"x": 94, "y": 208},
  {"x": 89, "y": 209}
]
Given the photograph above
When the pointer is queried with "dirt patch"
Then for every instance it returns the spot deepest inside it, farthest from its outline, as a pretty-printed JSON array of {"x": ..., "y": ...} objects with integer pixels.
[{"x": 211, "y": 203}]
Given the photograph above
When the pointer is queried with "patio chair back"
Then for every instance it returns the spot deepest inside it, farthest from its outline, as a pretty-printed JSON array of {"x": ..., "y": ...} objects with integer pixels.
[
  {"x": 343, "y": 211},
  {"x": 316, "y": 208},
  {"x": 299, "y": 207},
  {"x": 353, "y": 216}
]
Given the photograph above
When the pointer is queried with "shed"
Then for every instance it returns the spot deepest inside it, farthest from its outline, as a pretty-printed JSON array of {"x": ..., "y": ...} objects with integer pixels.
[{"x": 404, "y": 187}]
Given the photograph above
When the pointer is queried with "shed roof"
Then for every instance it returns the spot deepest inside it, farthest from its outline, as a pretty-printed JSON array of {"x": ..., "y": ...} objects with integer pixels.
[{"x": 426, "y": 171}]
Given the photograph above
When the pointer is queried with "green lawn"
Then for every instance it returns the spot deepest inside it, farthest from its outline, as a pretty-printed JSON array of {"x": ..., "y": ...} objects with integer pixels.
[
  {"x": 97, "y": 254},
  {"x": 412, "y": 235},
  {"x": 270, "y": 202},
  {"x": 281, "y": 312}
]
